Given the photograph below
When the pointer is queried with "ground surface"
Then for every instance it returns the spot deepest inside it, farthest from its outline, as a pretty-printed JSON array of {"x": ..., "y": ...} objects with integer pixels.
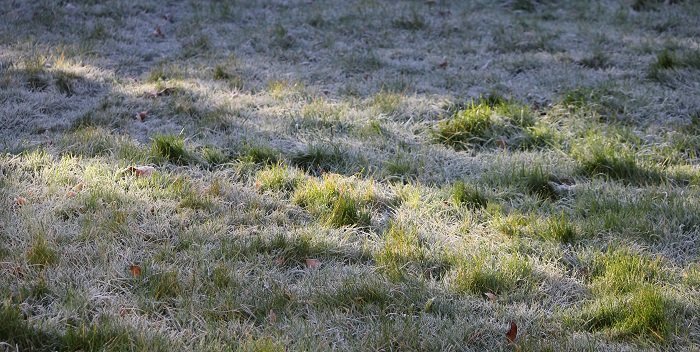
[{"x": 349, "y": 175}]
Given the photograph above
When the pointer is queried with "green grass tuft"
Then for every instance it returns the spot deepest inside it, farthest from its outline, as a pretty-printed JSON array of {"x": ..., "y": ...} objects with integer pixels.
[
  {"x": 337, "y": 203},
  {"x": 41, "y": 253},
  {"x": 468, "y": 195},
  {"x": 643, "y": 313},
  {"x": 496, "y": 274},
  {"x": 170, "y": 148}
]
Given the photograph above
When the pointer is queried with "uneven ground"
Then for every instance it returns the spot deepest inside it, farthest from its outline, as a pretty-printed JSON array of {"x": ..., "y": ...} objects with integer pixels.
[{"x": 349, "y": 175}]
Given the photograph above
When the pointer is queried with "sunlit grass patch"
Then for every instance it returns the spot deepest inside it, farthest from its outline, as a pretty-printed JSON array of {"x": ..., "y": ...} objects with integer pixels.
[
  {"x": 404, "y": 253},
  {"x": 622, "y": 271},
  {"x": 556, "y": 227},
  {"x": 492, "y": 272},
  {"x": 278, "y": 178},
  {"x": 642, "y": 313},
  {"x": 337, "y": 202},
  {"x": 491, "y": 121}
]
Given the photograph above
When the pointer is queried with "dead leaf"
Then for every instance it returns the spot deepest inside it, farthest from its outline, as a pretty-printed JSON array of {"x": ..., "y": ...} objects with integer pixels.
[
  {"x": 443, "y": 65},
  {"x": 272, "y": 316},
  {"x": 140, "y": 171},
  {"x": 312, "y": 263},
  {"x": 158, "y": 32},
  {"x": 20, "y": 201},
  {"x": 77, "y": 188},
  {"x": 141, "y": 116},
  {"x": 135, "y": 270},
  {"x": 502, "y": 142},
  {"x": 492, "y": 297},
  {"x": 512, "y": 333},
  {"x": 279, "y": 261},
  {"x": 71, "y": 194}
]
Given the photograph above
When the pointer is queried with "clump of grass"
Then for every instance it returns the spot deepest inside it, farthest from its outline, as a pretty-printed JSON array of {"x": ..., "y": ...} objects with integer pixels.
[
  {"x": 259, "y": 154},
  {"x": 64, "y": 82},
  {"x": 467, "y": 126},
  {"x": 489, "y": 273},
  {"x": 363, "y": 293},
  {"x": 487, "y": 121},
  {"x": 386, "y": 102},
  {"x": 402, "y": 246},
  {"x": 399, "y": 166},
  {"x": 523, "y": 5},
  {"x": 278, "y": 178},
  {"x": 629, "y": 302},
  {"x": 214, "y": 156},
  {"x": 643, "y": 313},
  {"x": 622, "y": 271},
  {"x": 337, "y": 203},
  {"x": 292, "y": 250},
  {"x": 538, "y": 183},
  {"x": 597, "y": 60},
  {"x": 558, "y": 228},
  {"x": 600, "y": 156},
  {"x": 539, "y": 136},
  {"x": 41, "y": 253},
  {"x": 221, "y": 74},
  {"x": 165, "y": 285},
  {"x": 318, "y": 159},
  {"x": 667, "y": 60},
  {"x": 554, "y": 228},
  {"x": 171, "y": 148},
  {"x": 468, "y": 195},
  {"x": 413, "y": 22}
]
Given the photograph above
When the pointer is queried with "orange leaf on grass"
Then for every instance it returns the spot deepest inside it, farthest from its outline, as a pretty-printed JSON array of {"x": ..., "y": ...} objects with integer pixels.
[
  {"x": 312, "y": 263},
  {"x": 20, "y": 201},
  {"x": 140, "y": 171},
  {"x": 135, "y": 270},
  {"x": 512, "y": 333}
]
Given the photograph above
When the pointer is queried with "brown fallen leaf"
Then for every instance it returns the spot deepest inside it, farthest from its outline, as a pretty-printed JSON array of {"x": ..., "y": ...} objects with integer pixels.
[
  {"x": 135, "y": 270},
  {"x": 158, "y": 32},
  {"x": 140, "y": 171},
  {"x": 492, "y": 297},
  {"x": 141, "y": 116},
  {"x": 512, "y": 333},
  {"x": 71, "y": 194},
  {"x": 20, "y": 201},
  {"x": 279, "y": 261},
  {"x": 77, "y": 188},
  {"x": 312, "y": 263},
  {"x": 272, "y": 317}
]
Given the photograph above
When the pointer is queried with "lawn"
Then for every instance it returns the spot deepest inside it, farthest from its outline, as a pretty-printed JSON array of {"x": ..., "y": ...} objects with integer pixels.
[{"x": 292, "y": 175}]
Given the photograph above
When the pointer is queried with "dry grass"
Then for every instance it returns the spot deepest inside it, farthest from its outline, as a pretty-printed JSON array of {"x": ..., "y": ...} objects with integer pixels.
[{"x": 354, "y": 175}]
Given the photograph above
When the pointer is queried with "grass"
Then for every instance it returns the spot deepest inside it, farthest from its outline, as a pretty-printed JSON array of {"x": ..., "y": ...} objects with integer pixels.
[
  {"x": 480, "y": 274},
  {"x": 170, "y": 148},
  {"x": 336, "y": 202},
  {"x": 468, "y": 195},
  {"x": 349, "y": 175}
]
